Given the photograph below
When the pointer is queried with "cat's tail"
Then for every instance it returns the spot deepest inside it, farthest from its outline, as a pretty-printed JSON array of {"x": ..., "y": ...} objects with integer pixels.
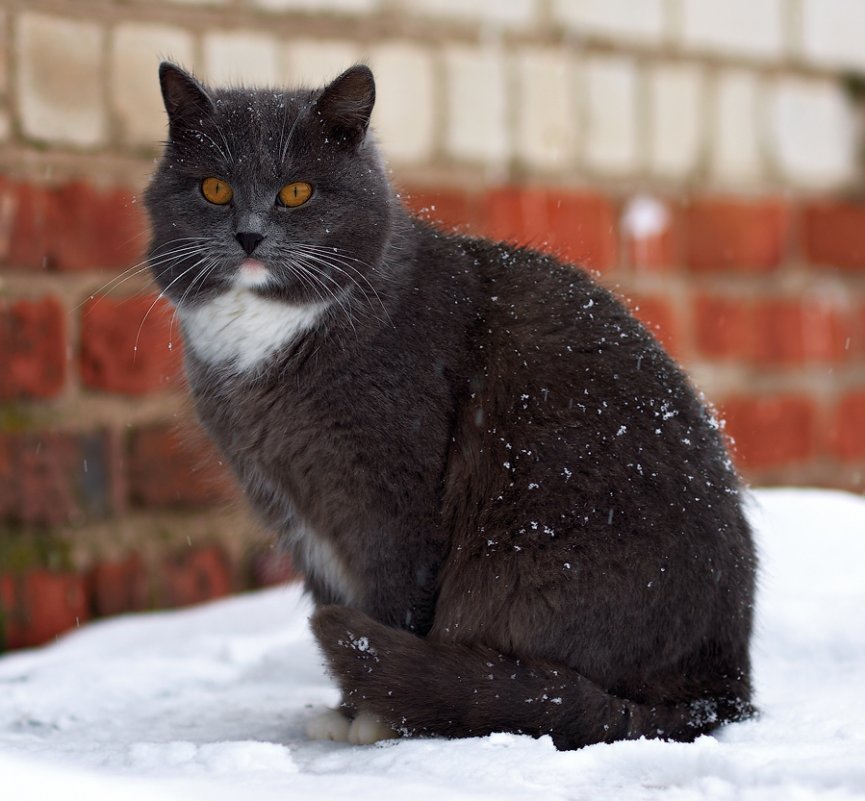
[{"x": 425, "y": 687}]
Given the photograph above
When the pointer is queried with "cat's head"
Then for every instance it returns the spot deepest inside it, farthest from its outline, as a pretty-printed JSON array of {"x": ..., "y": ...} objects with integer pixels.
[{"x": 278, "y": 192}]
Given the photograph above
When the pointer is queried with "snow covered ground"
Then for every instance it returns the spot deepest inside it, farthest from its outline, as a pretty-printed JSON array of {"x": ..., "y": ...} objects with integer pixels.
[{"x": 210, "y": 703}]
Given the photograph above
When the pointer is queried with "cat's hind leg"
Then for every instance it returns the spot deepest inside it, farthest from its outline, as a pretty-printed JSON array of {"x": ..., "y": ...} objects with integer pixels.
[{"x": 424, "y": 686}]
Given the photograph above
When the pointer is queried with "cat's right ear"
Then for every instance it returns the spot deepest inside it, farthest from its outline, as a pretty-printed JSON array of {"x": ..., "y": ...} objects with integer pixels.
[
  {"x": 345, "y": 105},
  {"x": 186, "y": 100}
]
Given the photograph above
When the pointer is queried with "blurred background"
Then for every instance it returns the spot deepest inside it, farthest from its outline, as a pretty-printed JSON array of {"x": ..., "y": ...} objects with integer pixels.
[{"x": 705, "y": 157}]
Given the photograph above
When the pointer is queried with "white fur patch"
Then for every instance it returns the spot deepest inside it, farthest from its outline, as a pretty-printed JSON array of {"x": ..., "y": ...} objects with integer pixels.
[
  {"x": 328, "y": 725},
  {"x": 252, "y": 273},
  {"x": 319, "y": 559},
  {"x": 367, "y": 729},
  {"x": 242, "y": 329}
]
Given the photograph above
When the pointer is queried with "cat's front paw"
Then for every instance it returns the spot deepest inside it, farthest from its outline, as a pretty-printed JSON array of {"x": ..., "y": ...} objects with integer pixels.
[
  {"x": 368, "y": 728},
  {"x": 329, "y": 725},
  {"x": 365, "y": 729}
]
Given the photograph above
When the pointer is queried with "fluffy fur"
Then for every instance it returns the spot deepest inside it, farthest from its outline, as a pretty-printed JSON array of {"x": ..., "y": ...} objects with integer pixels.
[
  {"x": 513, "y": 511},
  {"x": 239, "y": 330}
]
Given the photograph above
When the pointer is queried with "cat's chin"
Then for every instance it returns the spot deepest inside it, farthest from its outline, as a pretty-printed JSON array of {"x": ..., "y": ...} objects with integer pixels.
[
  {"x": 258, "y": 279},
  {"x": 252, "y": 274}
]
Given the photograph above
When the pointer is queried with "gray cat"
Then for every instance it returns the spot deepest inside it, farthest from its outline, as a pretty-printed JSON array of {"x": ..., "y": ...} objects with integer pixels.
[{"x": 511, "y": 509}]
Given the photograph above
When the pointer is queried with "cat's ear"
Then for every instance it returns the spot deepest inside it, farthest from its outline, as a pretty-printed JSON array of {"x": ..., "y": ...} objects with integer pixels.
[
  {"x": 345, "y": 105},
  {"x": 186, "y": 100}
]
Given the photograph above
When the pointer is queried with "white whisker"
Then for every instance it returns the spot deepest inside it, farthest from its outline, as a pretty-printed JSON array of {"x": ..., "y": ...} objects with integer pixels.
[
  {"x": 159, "y": 297},
  {"x": 325, "y": 257},
  {"x": 142, "y": 267}
]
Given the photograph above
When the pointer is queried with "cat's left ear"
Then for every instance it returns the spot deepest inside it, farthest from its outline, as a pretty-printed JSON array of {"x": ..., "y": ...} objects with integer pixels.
[
  {"x": 186, "y": 100},
  {"x": 345, "y": 105}
]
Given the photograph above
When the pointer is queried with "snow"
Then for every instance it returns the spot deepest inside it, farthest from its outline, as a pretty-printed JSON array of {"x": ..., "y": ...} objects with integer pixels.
[
  {"x": 644, "y": 216},
  {"x": 211, "y": 703}
]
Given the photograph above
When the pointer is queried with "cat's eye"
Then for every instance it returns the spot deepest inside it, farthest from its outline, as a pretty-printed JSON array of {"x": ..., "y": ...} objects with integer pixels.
[
  {"x": 216, "y": 191},
  {"x": 295, "y": 194}
]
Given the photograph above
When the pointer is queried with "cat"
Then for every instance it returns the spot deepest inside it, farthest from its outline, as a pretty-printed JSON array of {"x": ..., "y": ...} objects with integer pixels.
[{"x": 512, "y": 511}]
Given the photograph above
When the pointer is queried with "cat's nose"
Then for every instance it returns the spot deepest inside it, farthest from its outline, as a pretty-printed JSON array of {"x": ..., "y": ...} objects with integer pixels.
[{"x": 249, "y": 240}]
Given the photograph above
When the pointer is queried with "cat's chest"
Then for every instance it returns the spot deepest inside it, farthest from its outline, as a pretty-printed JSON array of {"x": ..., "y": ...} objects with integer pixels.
[{"x": 239, "y": 330}]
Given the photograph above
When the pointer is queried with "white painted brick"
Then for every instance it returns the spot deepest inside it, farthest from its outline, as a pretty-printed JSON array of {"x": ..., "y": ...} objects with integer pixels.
[
  {"x": 4, "y": 49},
  {"x": 627, "y": 20},
  {"x": 736, "y": 150},
  {"x": 477, "y": 105},
  {"x": 497, "y": 12},
  {"x": 833, "y": 32},
  {"x": 319, "y": 6},
  {"x": 136, "y": 50},
  {"x": 60, "y": 71},
  {"x": 241, "y": 57},
  {"x": 812, "y": 133},
  {"x": 314, "y": 63},
  {"x": 676, "y": 96},
  {"x": 612, "y": 114},
  {"x": 547, "y": 113},
  {"x": 753, "y": 28},
  {"x": 404, "y": 116}
]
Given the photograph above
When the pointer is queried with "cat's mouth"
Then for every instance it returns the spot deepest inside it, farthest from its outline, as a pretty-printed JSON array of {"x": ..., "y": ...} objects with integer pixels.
[{"x": 252, "y": 273}]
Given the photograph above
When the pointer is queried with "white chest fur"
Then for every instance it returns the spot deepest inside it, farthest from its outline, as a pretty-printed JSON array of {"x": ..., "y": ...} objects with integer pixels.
[{"x": 242, "y": 329}]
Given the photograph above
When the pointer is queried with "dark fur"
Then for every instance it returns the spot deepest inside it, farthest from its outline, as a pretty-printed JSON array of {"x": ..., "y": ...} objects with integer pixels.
[{"x": 541, "y": 527}]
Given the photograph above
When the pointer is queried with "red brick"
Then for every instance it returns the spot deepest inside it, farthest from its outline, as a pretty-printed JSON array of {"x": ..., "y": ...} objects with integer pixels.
[
  {"x": 130, "y": 346},
  {"x": 833, "y": 234},
  {"x": 52, "y": 478},
  {"x": 43, "y": 605},
  {"x": 95, "y": 229},
  {"x": 847, "y": 437},
  {"x": 771, "y": 431},
  {"x": 272, "y": 567},
  {"x": 450, "y": 209},
  {"x": 75, "y": 227},
  {"x": 196, "y": 576},
  {"x": 69, "y": 228},
  {"x": 169, "y": 470},
  {"x": 119, "y": 586},
  {"x": 32, "y": 349},
  {"x": 801, "y": 330},
  {"x": 8, "y": 213},
  {"x": 856, "y": 345},
  {"x": 36, "y": 480},
  {"x": 749, "y": 236},
  {"x": 26, "y": 210},
  {"x": 723, "y": 327},
  {"x": 7, "y": 591},
  {"x": 10, "y": 628},
  {"x": 518, "y": 216},
  {"x": 576, "y": 226},
  {"x": 659, "y": 316}
]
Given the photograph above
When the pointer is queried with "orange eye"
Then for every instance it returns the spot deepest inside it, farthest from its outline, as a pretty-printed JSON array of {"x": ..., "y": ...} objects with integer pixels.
[
  {"x": 216, "y": 191},
  {"x": 295, "y": 194}
]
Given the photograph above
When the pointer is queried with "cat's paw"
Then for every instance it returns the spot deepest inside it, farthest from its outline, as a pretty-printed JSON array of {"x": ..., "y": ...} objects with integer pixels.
[
  {"x": 368, "y": 728},
  {"x": 329, "y": 725}
]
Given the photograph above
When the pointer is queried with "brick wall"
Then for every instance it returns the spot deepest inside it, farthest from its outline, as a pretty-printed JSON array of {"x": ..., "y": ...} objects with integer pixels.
[{"x": 704, "y": 157}]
